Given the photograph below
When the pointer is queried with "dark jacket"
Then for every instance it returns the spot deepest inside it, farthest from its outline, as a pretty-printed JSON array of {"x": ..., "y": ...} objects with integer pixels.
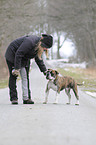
[{"x": 21, "y": 50}]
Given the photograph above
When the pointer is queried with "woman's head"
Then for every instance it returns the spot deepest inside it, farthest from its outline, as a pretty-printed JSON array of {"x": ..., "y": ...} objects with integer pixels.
[{"x": 45, "y": 42}]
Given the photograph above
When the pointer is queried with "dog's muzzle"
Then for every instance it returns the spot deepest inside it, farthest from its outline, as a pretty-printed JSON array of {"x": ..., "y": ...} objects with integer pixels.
[{"x": 48, "y": 76}]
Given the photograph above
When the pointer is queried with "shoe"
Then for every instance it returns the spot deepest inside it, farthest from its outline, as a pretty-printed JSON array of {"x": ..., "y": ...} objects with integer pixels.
[
  {"x": 29, "y": 101},
  {"x": 14, "y": 102}
]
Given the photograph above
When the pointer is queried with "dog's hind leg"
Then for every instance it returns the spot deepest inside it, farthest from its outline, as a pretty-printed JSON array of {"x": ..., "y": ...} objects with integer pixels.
[
  {"x": 76, "y": 94},
  {"x": 67, "y": 91}
]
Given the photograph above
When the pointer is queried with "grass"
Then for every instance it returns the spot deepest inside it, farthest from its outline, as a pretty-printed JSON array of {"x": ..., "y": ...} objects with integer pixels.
[
  {"x": 3, "y": 76},
  {"x": 80, "y": 75},
  {"x": 3, "y": 83}
]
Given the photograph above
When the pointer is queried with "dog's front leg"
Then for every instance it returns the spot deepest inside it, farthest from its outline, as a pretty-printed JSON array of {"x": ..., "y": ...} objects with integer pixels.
[
  {"x": 56, "y": 99},
  {"x": 46, "y": 97},
  {"x": 57, "y": 93}
]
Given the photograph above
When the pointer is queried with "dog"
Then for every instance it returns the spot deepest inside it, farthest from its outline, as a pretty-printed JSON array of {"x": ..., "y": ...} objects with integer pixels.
[{"x": 58, "y": 83}]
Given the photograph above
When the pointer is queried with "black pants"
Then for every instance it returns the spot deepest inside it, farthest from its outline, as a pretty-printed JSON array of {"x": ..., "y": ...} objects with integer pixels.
[{"x": 12, "y": 82}]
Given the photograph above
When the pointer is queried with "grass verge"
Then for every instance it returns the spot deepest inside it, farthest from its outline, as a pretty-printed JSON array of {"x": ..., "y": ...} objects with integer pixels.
[{"x": 3, "y": 83}]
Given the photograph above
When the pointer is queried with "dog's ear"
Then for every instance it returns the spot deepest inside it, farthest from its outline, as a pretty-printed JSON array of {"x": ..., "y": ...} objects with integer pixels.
[{"x": 56, "y": 72}]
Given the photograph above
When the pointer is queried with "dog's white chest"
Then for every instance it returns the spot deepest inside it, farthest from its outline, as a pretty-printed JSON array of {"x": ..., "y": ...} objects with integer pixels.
[{"x": 52, "y": 86}]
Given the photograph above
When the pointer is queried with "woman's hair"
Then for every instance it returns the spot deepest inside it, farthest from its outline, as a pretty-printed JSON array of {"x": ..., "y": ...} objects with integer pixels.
[{"x": 40, "y": 50}]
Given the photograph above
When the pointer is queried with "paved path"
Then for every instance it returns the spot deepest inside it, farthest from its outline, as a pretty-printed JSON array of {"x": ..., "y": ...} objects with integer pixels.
[{"x": 50, "y": 124}]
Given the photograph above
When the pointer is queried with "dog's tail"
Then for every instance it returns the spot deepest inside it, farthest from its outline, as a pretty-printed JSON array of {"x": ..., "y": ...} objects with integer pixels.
[{"x": 81, "y": 83}]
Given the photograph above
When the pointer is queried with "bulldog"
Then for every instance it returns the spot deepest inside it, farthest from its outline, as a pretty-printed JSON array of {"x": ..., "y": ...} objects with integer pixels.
[{"x": 58, "y": 83}]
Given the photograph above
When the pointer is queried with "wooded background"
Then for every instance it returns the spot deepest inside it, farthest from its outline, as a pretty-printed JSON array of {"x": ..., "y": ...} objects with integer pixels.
[{"x": 72, "y": 19}]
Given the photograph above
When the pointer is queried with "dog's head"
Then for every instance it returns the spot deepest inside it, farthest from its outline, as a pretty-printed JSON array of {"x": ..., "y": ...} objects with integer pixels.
[{"x": 51, "y": 74}]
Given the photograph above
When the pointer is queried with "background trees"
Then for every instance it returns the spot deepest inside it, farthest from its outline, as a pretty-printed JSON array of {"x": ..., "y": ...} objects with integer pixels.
[{"x": 71, "y": 19}]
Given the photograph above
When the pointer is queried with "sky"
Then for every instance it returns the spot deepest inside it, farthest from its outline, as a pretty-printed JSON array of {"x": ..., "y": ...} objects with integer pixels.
[{"x": 66, "y": 50}]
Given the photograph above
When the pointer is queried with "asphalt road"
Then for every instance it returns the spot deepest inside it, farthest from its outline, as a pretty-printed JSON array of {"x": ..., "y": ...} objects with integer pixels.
[{"x": 47, "y": 124}]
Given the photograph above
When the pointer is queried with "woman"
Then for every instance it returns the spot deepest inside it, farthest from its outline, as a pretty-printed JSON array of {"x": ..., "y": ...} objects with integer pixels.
[{"x": 18, "y": 55}]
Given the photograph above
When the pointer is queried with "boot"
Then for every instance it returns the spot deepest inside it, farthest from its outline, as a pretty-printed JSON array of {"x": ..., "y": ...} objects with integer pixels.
[
  {"x": 14, "y": 102},
  {"x": 29, "y": 101}
]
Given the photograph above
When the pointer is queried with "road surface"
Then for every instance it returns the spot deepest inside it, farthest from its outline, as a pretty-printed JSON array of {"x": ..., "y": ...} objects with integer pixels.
[{"x": 47, "y": 124}]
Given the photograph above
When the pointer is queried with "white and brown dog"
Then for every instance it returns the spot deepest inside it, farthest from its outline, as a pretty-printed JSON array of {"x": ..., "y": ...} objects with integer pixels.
[{"x": 58, "y": 83}]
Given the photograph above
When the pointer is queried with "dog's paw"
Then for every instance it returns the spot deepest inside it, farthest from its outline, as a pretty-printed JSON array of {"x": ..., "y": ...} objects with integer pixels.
[
  {"x": 68, "y": 103},
  {"x": 55, "y": 103},
  {"x": 44, "y": 102},
  {"x": 77, "y": 104}
]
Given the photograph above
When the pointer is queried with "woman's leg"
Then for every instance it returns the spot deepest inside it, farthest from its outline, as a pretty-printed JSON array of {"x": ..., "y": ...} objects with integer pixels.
[
  {"x": 23, "y": 74},
  {"x": 12, "y": 82}
]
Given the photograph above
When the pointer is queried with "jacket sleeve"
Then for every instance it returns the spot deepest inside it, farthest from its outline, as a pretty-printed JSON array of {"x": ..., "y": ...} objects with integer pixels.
[
  {"x": 40, "y": 64},
  {"x": 20, "y": 53}
]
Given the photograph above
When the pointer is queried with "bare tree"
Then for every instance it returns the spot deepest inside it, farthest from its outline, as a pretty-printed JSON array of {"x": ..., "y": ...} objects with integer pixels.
[{"x": 75, "y": 19}]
